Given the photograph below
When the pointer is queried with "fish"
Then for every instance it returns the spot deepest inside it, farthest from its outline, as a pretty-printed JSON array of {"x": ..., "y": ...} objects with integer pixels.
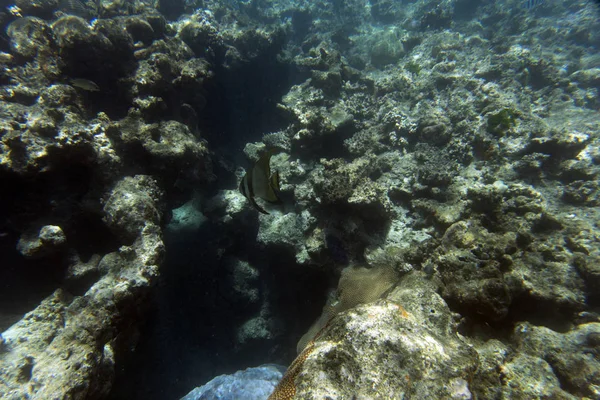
[
  {"x": 85, "y": 84},
  {"x": 259, "y": 182},
  {"x": 529, "y": 4}
]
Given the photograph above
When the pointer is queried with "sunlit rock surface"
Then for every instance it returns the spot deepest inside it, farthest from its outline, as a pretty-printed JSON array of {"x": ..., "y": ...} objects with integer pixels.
[{"x": 253, "y": 384}]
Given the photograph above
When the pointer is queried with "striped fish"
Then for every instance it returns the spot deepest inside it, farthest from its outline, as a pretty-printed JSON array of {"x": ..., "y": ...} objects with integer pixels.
[
  {"x": 259, "y": 182},
  {"x": 529, "y": 4}
]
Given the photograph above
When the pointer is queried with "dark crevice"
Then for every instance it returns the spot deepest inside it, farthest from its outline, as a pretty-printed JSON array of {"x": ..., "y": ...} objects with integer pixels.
[
  {"x": 59, "y": 196},
  {"x": 196, "y": 315}
]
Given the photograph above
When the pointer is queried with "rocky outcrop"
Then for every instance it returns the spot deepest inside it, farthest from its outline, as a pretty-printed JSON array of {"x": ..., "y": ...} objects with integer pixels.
[{"x": 66, "y": 346}]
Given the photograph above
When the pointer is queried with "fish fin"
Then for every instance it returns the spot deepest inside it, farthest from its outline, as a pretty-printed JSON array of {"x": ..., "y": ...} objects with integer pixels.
[
  {"x": 255, "y": 205},
  {"x": 248, "y": 183}
]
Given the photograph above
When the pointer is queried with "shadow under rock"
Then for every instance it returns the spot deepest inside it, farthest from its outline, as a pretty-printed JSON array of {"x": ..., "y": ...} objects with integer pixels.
[{"x": 191, "y": 335}]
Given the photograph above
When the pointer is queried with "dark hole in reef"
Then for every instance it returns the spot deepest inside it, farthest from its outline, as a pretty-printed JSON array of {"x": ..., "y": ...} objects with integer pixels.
[
  {"x": 107, "y": 69},
  {"x": 522, "y": 307},
  {"x": 490, "y": 222},
  {"x": 546, "y": 223},
  {"x": 88, "y": 235},
  {"x": 299, "y": 288},
  {"x": 155, "y": 134},
  {"x": 171, "y": 9},
  {"x": 242, "y": 103},
  {"x": 400, "y": 196},
  {"x": 112, "y": 98},
  {"x": 370, "y": 221},
  {"x": 301, "y": 23},
  {"x": 4, "y": 77},
  {"x": 51, "y": 198},
  {"x": 332, "y": 145},
  {"x": 191, "y": 335},
  {"x": 24, "y": 283},
  {"x": 542, "y": 312}
]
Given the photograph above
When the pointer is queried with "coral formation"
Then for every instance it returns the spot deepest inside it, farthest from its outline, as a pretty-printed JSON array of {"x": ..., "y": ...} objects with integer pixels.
[{"x": 438, "y": 224}]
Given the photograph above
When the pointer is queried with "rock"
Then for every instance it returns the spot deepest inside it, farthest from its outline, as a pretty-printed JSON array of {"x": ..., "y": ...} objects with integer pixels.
[
  {"x": 72, "y": 31},
  {"x": 131, "y": 205},
  {"x": 58, "y": 96},
  {"x": 471, "y": 266},
  {"x": 582, "y": 193},
  {"x": 588, "y": 78},
  {"x": 52, "y": 235},
  {"x": 256, "y": 330},
  {"x": 567, "y": 356},
  {"x": 28, "y": 36},
  {"x": 226, "y": 204},
  {"x": 385, "y": 48},
  {"x": 171, "y": 146},
  {"x": 38, "y": 8},
  {"x": 102, "y": 54},
  {"x": 140, "y": 29},
  {"x": 389, "y": 347},
  {"x": 250, "y": 384},
  {"x": 286, "y": 231},
  {"x": 531, "y": 377},
  {"x": 66, "y": 346},
  {"x": 203, "y": 38},
  {"x": 244, "y": 283},
  {"x": 328, "y": 81},
  {"x": 49, "y": 240},
  {"x": 186, "y": 219}
]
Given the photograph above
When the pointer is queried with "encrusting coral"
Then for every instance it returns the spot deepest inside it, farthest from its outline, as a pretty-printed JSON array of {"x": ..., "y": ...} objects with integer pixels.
[{"x": 357, "y": 285}]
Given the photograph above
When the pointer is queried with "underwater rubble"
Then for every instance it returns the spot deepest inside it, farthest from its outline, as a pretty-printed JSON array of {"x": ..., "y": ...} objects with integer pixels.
[{"x": 438, "y": 229}]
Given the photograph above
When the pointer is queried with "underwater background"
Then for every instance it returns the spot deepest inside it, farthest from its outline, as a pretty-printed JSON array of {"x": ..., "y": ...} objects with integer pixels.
[{"x": 361, "y": 199}]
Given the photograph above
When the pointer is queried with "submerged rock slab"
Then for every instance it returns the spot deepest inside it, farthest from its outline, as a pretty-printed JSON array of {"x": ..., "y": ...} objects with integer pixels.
[{"x": 250, "y": 384}]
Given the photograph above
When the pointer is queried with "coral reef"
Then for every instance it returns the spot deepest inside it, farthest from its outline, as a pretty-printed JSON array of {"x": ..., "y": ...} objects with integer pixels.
[
  {"x": 67, "y": 345},
  {"x": 85, "y": 196},
  {"x": 438, "y": 166}
]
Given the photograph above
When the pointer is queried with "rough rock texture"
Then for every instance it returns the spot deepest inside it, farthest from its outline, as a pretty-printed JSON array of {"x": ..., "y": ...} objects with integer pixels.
[
  {"x": 47, "y": 241},
  {"x": 66, "y": 346},
  {"x": 428, "y": 152},
  {"x": 87, "y": 172},
  {"x": 405, "y": 345},
  {"x": 572, "y": 356}
]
